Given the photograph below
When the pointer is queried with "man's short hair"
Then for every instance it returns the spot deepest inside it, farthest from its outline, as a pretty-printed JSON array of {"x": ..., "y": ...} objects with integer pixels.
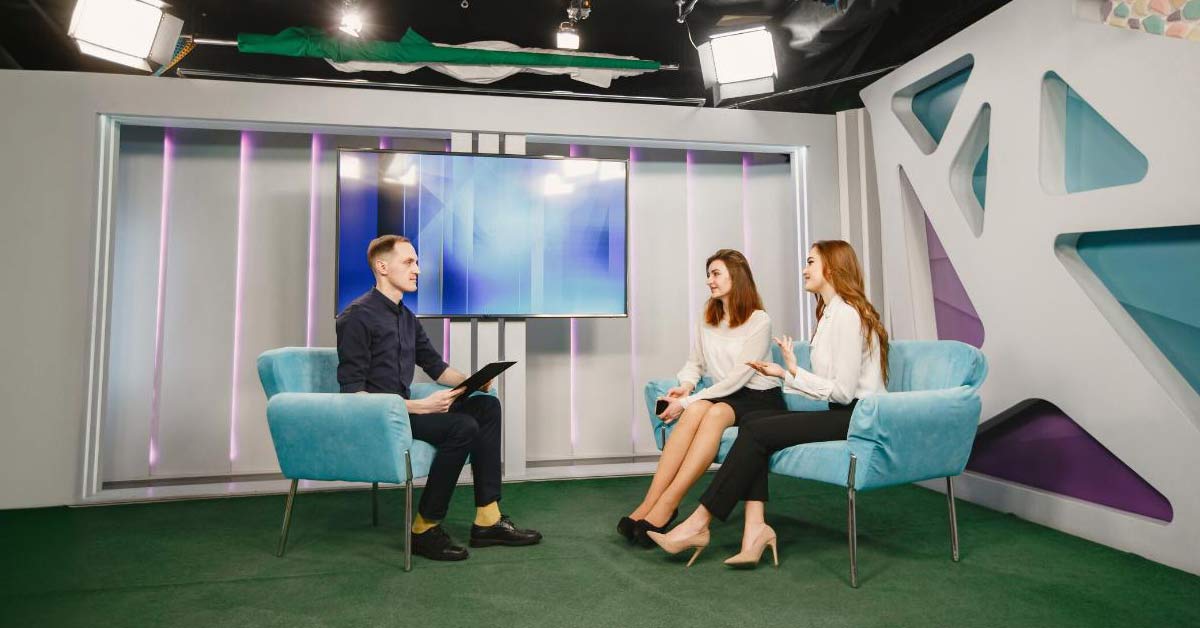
[{"x": 383, "y": 245}]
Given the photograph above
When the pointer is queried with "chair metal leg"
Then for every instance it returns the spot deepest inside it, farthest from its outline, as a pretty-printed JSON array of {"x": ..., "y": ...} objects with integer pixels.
[
  {"x": 408, "y": 516},
  {"x": 287, "y": 518},
  {"x": 375, "y": 504},
  {"x": 953, "y": 519},
  {"x": 852, "y": 523}
]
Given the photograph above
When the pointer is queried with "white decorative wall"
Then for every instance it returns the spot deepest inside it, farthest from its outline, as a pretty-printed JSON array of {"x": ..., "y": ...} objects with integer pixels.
[{"x": 1053, "y": 332}]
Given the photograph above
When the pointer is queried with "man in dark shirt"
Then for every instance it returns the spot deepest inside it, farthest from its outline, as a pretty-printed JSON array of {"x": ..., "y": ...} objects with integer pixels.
[{"x": 380, "y": 342}]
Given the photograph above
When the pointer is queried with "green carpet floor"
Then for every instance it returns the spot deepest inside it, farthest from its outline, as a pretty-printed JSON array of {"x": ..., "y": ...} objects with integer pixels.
[{"x": 211, "y": 563}]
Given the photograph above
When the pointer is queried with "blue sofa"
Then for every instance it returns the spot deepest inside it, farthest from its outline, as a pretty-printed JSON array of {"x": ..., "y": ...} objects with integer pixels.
[
  {"x": 921, "y": 429},
  {"x": 321, "y": 434}
]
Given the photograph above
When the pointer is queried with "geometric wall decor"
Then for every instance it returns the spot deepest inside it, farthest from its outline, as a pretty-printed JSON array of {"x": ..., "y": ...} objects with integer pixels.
[
  {"x": 1034, "y": 443},
  {"x": 968, "y": 171},
  {"x": 1080, "y": 150},
  {"x": 925, "y": 106},
  {"x": 955, "y": 314},
  {"x": 1155, "y": 275},
  {"x": 1172, "y": 18}
]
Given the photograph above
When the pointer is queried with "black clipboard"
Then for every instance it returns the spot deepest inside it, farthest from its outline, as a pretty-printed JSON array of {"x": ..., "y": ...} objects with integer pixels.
[{"x": 482, "y": 376}]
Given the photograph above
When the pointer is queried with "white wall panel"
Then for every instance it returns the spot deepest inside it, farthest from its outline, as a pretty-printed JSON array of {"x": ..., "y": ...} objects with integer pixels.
[
  {"x": 138, "y": 209},
  {"x": 197, "y": 363},
  {"x": 770, "y": 213}
]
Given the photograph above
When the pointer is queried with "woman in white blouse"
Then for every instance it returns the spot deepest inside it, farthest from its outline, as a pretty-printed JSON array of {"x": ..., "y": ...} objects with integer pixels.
[
  {"x": 735, "y": 333},
  {"x": 849, "y": 362}
]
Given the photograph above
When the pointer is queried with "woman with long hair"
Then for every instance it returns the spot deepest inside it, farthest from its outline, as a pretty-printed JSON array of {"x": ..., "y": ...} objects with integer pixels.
[
  {"x": 849, "y": 362},
  {"x": 735, "y": 333}
]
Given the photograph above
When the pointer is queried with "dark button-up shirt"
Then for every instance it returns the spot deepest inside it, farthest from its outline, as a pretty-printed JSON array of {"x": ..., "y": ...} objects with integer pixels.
[{"x": 379, "y": 344}]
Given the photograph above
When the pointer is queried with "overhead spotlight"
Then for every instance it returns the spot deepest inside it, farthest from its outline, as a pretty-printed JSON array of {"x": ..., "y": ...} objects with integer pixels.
[
  {"x": 568, "y": 36},
  {"x": 135, "y": 33},
  {"x": 352, "y": 20},
  {"x": 741, "y": 63}
]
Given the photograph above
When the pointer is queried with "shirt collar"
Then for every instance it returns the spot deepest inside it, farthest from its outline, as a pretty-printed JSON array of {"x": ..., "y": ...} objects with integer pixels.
[{"x": 382, "y": 298}]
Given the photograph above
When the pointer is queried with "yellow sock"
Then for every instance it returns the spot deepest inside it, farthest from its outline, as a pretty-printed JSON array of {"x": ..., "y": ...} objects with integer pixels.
[
  {"x": 486, "y": 516},
  {"x": 420, "y": 524}
]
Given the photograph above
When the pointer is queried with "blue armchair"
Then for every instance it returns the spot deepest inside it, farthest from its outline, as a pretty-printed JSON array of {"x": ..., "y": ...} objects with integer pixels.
[
  {"x": 921, "y": 429},
  {"x": 321, "y": 434}
]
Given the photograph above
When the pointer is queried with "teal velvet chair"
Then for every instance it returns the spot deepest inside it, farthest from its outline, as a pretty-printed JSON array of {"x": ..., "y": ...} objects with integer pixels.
[
  {"x": 322, "y": 434},
  {"x": 921, "y": 429}
]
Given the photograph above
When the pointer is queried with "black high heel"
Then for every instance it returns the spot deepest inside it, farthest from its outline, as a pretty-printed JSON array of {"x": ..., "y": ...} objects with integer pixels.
[
  {"x": 625, "y": 528},
  {"x": 641, "y": 527}
]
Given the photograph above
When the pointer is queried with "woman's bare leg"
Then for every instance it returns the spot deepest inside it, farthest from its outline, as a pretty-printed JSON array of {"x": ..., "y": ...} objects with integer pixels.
[
  {"x": 697, "y": 460},
  {"x": 676, "y": 447},
  {"x": 756, "y": 522}
]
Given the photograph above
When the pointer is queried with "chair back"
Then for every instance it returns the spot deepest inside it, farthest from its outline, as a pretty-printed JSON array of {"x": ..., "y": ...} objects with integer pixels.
[{"x": 934, "y": 365}]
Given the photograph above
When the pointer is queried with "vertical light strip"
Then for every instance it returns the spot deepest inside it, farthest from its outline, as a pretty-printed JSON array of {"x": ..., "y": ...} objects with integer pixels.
[
  {"x": 385, "y": 143},
  {"x": 168, "y": 165},
  {"x": 746, "y": 159},
  {"x": 691, "y": 255},
  {"x": 629, "y": 275},
  {"x": 314, "y": 220},
  {"x": 573, "y": 151},
  {"x": 243, "y": 166},
  {"x": 807, "y": 324}
]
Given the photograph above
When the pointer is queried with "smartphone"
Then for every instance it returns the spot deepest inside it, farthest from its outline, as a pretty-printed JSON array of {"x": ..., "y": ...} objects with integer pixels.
[{"x": 661, "y": 406}]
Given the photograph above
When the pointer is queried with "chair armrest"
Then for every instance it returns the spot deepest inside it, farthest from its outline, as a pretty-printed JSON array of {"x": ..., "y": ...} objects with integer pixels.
[
  {"x": 657, "y": 388},
  {"x": 912, "y": 436},
  {"x": 333, "y": 436}
]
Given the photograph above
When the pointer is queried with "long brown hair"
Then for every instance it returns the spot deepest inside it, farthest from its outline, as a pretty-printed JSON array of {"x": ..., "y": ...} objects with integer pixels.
[
  {"x": 743, "y": 293},
  {"x": 842, "y": 270}
]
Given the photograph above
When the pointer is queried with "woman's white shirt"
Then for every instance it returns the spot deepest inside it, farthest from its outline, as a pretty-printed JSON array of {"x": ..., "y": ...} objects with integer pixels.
[
  {"x": 843, "y": 367},
  {"x": 722, "y": 352}
]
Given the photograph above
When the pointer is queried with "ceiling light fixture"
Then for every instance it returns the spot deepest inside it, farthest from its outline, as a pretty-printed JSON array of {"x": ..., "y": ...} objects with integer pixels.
[
  {"x": 568, "y": 32},
  {"x": 352, "y": 20},
  {"x": 135, "y": 33},
  {"x": 741, "y": 63}
]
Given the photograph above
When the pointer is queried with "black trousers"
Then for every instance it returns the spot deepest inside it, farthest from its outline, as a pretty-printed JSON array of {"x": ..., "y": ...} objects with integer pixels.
[
  {"x": 743, "y": 475},
  {"x": 471, "y": 427}
]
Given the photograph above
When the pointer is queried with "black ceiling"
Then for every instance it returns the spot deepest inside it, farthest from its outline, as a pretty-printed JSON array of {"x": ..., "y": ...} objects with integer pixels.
[{"x": 869, "y": 35}]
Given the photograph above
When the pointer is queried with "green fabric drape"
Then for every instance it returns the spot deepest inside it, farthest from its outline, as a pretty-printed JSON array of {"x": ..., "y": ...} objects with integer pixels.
[{"x": 415, "y": 49}]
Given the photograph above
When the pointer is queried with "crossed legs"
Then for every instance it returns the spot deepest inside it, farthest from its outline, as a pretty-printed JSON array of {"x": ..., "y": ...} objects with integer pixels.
[{"x": 687, "y": 454}]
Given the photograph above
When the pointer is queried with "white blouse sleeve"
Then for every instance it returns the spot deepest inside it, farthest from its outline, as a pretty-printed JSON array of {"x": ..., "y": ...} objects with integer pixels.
[
  {"x": 693, "y": 369},
  {"x": 845, "y": 336},
  {"x": 756, "y": 344}
]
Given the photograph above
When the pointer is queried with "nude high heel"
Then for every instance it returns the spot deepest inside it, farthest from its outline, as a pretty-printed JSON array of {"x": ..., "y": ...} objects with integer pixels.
[
  {"x": 698, "y": 541},
  {"x": 751, "y": 556}
]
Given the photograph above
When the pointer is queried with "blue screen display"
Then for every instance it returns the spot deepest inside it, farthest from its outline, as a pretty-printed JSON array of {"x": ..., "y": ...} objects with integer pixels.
[{"x": 495, "y": 236}]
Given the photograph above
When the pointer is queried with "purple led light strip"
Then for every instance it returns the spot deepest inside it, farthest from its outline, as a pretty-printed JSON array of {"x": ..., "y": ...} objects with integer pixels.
[
  {"x": 314, "y": 217},
  {"x": 243, "y": 163},
  {"x": 746, "y": 160},
  {"x": 573, "y": 152},
  {"x": 691, "y": 256},
  {"x": 168, "y": 164},
  {"x": 633, "y": 374}
]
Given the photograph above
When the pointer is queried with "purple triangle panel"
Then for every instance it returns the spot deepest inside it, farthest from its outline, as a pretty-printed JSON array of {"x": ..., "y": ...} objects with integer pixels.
[
  {"x": 1038, "y": 445},
  {"x": 954, "y": 313}
]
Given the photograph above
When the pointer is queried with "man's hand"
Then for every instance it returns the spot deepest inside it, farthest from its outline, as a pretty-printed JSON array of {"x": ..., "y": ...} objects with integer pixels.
[
  {"x": 436, "y": 403},
  {"x": 770, "y": 369}
]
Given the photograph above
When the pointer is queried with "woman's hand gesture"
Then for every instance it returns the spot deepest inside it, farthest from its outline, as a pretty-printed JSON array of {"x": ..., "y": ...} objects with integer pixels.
[
  {"x": 787, "y": 350},
  {"x": 770, "y": 369}
]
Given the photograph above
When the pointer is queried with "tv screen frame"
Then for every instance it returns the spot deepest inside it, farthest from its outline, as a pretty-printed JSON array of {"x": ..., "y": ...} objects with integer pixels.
[{"x": 337, "y": 239}]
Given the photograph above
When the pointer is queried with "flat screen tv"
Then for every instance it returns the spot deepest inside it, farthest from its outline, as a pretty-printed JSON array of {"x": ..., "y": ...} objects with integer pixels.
[{"x": 497, "y": 236}]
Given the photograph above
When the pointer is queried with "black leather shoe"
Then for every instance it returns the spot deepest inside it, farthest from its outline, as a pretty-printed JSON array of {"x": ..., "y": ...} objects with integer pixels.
[
  {"x": 503, "y": 533},
  {"x": 436, "y": 544}
]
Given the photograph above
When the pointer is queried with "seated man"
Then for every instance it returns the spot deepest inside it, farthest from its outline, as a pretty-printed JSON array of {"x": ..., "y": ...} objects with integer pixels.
[{"x": 379, "y": 343}]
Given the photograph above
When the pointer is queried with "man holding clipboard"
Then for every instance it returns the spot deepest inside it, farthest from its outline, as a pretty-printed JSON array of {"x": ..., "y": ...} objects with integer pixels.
[{"x": 380, "y": 343}]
